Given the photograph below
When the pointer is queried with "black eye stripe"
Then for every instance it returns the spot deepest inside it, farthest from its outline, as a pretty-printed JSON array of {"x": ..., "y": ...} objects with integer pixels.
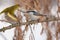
[
  {"x": 36, "y": 13},
  {"x": 33, "y": 12},
  {"x": 30, "y": 11}
]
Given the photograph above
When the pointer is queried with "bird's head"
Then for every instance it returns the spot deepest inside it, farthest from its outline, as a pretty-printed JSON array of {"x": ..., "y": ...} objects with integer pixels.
[{"x": 32, "y": 12}]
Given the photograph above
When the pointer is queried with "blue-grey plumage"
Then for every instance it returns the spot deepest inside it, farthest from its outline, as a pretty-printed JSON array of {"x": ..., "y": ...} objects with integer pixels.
[
  {"x": 33, "y": 12},
  {"x": 36, "y": 13}
]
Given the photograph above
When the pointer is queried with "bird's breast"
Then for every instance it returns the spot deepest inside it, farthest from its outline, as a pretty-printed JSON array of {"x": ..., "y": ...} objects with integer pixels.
[{"x": 33, "y": 17}]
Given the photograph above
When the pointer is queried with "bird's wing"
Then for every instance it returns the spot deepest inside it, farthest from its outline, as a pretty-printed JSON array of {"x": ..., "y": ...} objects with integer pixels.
[
  {"x": 38, "y": 14},
  {"x": 11, "y": 8}
]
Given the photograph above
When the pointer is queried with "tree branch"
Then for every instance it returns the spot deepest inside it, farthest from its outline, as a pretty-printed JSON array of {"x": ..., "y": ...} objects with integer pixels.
[
  {"x": 29, "y": 22},
  {"x": 6, "y": 21},
  {"x": 8, "y": 27}
]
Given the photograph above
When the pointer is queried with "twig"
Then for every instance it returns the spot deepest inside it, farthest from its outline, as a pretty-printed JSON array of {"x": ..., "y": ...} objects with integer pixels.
[
  {"x": 8, "y": 27},
  {"x": 5, "y": 21}
]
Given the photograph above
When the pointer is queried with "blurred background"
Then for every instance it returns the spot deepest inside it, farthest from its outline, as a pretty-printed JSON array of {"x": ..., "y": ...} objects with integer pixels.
[{"x": 9, "y": 34}]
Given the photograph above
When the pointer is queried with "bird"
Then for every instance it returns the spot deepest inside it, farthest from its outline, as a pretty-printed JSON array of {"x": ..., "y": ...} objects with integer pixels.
[
  {"x": 9, "y": 11},
  {"x": 34, "y": 15}
]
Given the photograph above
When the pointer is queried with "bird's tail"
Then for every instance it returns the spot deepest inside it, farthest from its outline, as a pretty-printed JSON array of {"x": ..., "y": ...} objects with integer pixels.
[{"x": 1, "y": 12}]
